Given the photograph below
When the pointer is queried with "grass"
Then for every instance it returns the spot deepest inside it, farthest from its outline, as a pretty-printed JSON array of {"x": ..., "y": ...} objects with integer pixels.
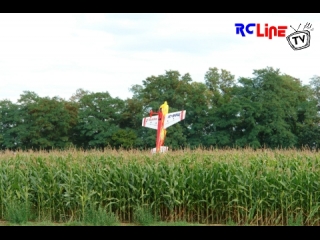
[
  {"x": 231, "y": 223},
  {"x": 18, "y": 212},
  {"x": 178, "y": 223},
  {"x": 143, "y": 216},
  {"x": 78, "y": 223},
  {"x": 298, "y": 221},
  {"x": 99, "y": 217}
]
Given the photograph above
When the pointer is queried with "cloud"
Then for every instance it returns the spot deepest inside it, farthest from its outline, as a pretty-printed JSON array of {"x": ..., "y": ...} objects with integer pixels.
[{"x": 55, "y": 54}]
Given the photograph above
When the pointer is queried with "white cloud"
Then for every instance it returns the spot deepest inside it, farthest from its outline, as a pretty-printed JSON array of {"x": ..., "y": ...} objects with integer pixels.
[{"x": 55, "y": 54}]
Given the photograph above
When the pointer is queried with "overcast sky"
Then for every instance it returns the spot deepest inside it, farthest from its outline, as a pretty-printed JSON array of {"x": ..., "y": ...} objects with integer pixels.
[{"x": 56, "y": 54}]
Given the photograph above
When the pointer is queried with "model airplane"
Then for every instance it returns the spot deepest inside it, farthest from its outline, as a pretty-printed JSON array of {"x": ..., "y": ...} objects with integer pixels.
[{"x": 161, "y": 123}]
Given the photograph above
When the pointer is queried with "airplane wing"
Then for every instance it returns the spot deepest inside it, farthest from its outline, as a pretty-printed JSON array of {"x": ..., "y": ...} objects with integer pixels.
[
  {"x": 150, "y": 122},
  {"x": 174, "y": 117}
]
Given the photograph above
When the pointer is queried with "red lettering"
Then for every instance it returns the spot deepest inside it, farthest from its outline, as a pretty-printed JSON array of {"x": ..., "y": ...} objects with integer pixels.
[
  {"x": 274, "y": 31},
  {"x": 258, "y": 31},
  {"x": 281, "y": 31},
  {"x": 266, "y": 30}
]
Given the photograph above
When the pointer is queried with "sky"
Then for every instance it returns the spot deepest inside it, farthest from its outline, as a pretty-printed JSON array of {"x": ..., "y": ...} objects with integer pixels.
[{"x": 54, "y": 54}]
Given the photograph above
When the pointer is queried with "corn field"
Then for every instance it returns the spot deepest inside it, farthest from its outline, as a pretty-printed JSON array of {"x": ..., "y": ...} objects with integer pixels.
[{"x": 263, "y": 187}]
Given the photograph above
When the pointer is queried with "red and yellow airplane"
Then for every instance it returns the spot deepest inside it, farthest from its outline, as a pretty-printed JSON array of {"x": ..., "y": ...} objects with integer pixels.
[{"x": 161, "y": 123}]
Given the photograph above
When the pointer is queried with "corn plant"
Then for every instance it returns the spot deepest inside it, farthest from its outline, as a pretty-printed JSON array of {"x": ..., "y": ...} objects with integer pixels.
[{"x": 254, "y": 187}]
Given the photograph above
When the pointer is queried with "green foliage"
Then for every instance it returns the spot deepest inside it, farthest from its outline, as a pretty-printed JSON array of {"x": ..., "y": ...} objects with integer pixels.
[
  {"x": 11, "y": 129},
  {"x": 98, "y": 120},
  {"x": 270, "y": 109},
  {"x": 260, "y": 187},
  {"x": 99, "y": 217},
  {"x": 177, "y": 223},
  {"x": 74, "y": 223},
  {"x": 49, "y": 122},
  {"x": 220, "y": 85},
  {"x": 297, "y": 221},
  {"x": 124, "y": 138},
  {"x": 314, "y": 84},
  {"x": 36, "y": 123},
  {"x": 230, "y": 223},
  {"x": 18, "y": 212},
  {"x": 143, "y": 216},
  {"x": 169, "y": 87}
]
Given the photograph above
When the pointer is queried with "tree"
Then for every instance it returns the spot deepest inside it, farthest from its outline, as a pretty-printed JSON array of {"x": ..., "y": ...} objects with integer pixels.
[
  {"x": 314, "y": 84},
  {"x": 278, "y": 97},
  {"x": 222, "y": 113},
  {"x": 124, "y": 138},
  {"x": 46, "y": 121},
  {"x": 11, "y": 128},
  {"x": 197, "y": 125},
  {"x": 98, "y": 119},
  {"x": 269, "y": 110},
  {"x": 75, "y": 98},
  {"x": 220, "y": 83}
]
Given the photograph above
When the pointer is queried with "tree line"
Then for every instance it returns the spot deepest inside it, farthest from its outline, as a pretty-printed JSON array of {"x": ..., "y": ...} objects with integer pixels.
[{"x": 271, "y": 109}]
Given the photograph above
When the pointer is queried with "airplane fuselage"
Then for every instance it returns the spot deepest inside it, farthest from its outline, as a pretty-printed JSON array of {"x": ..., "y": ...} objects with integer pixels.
[{"x": 161, "y": 122}]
